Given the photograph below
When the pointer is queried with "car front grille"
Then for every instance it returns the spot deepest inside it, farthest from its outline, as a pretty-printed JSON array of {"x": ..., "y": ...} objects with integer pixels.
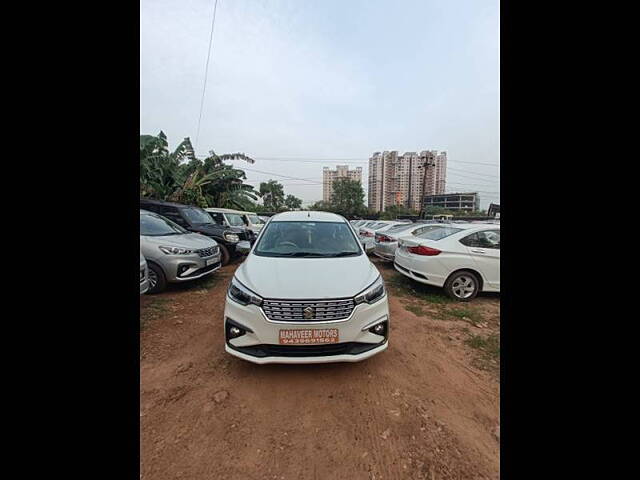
[
  {"x": 208, "y": 252},
  {"x": 308, "y": 310}
]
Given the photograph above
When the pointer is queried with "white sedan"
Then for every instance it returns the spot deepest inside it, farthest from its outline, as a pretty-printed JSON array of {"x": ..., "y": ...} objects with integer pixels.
[
  {"x": 462, "y": 258},
  {"x": 367, "y": 232}
]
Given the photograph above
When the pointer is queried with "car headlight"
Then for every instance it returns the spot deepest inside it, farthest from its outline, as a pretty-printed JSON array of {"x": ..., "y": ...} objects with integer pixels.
[
  {"x": 241, "y": 294},
  {"x": 176, "y": 250},
  {"x": 231, "y": 237},
  {"x": 372, "y": 293}
]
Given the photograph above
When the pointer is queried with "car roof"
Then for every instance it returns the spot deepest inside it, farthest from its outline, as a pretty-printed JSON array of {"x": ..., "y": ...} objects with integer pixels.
[
  {"x": 223, "y": 210},
  {"x": 307, "y": 216},
  {"x": 162, "y": 202}
]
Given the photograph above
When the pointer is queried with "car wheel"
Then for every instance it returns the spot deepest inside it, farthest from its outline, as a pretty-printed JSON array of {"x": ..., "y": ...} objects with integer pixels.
[
  {"x": 224, "y": 255},
  {"x": 157, "y": 279},
  {"x": 462, "y": 286}
]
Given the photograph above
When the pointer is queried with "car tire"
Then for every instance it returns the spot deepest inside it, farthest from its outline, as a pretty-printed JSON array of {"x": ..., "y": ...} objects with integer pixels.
[
  {"x": 462, "y": 286},
  {"x": 224, "y": 255},
  {"x": 157, "y": 279}
]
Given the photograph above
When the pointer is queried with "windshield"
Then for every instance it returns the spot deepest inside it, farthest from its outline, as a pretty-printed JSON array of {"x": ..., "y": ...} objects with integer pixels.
[
  {"x": 155, "y": 225},
  {"x": 196, "y": 215},
  {"x": 255, "y": 220},
  {"x": 438, "y": 233},
  {"x": 307, "y": 239},
  {"x": 234, "y": 219}
]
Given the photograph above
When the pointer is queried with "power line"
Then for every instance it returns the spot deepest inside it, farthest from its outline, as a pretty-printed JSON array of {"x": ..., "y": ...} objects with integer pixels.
[
  {"x": 350, "y": 160},
  {"x": 473, "y": 173},
  {"x": 206, "y": 72}
]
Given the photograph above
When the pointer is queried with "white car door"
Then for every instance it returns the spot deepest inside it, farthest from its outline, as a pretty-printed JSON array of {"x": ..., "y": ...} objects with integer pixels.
[{"x": 484, "y": 248}]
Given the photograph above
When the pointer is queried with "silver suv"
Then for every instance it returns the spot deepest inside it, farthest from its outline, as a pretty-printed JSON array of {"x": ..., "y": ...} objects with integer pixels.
[{"x": 173, "y": 254}]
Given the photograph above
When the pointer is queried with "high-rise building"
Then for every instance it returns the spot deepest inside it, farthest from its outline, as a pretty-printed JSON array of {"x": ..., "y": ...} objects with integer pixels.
[
  {"x": 399, "y": 179},
  {"x": 341, "y": 171}
]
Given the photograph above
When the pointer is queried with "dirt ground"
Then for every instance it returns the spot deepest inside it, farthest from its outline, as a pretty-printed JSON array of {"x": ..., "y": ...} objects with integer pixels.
[{"x": 426, "y": 408}]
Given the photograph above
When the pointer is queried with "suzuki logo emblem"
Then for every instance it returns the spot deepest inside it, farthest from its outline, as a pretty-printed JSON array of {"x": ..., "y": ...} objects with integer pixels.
[{"x": 308, "y": 312}]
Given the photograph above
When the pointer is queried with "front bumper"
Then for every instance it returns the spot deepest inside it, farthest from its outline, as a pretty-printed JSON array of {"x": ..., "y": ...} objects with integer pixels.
[
  {"x": 309, "y": 359},
  {"x": 260, "y": 344},
  {"x": 181, "y": 268}
]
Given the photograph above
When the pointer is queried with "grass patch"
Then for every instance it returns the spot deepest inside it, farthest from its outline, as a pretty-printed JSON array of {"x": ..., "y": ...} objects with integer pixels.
[
  {"x": 403, "y": 286},
  {"x": 415, "y": 309},
  {"x": 488, "y": 347},
  {"x": 154, "y": 308},
  {"x": 466, "y": 314}
]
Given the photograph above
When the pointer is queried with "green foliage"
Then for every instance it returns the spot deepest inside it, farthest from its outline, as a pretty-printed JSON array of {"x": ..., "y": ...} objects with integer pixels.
[
  {"x": 180, "y": 176},
  {"x": 348, "y": 197},
  {"x": 321, "y": 206},
  {"x": 392, "y": 212},
  {"x": 272, "y": 194},
  {"x": 292, "y": 202}
]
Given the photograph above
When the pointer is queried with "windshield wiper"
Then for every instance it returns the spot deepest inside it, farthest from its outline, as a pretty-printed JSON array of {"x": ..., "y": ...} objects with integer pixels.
[{"x": 341, "y": 254}]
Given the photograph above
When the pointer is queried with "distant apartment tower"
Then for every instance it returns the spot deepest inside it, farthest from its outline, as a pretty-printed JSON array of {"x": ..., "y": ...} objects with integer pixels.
[
  {"x": 399, "y": 179},
  {"x": 341, "y": 171}
]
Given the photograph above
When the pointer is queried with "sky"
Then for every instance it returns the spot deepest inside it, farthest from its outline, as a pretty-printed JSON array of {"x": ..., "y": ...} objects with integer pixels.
[{"x": 302, "y": 84}]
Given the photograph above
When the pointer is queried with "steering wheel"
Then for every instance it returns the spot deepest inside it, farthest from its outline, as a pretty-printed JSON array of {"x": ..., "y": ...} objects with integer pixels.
[{"x": 282, "y": 244}]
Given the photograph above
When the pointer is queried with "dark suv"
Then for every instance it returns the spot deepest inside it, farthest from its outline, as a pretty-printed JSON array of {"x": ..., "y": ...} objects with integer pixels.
[{"x": 195, "y": 219}]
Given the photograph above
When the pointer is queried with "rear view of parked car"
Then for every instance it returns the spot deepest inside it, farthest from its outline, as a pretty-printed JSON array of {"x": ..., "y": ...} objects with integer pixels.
[
  {"x": 367, "y": 232},
  {"x": 144, "y": 275},
  {"x": 173, "y": 254},
  {"x": 386, "y": 241},
  {"x": 464, "y": 259}
]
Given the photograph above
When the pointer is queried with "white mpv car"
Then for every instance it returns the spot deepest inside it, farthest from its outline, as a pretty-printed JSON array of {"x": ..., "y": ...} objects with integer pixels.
[{"x": 306, "y": 293}]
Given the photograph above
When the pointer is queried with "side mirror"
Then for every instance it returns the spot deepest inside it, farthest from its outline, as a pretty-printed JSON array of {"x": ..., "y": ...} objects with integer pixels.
[
  {"x": 368, "y": 247},
  {"x": 243, "y": 247}
]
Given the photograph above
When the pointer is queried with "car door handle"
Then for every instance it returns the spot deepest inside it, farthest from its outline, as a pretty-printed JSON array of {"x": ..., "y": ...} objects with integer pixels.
[{"x": 476, "y": 250}]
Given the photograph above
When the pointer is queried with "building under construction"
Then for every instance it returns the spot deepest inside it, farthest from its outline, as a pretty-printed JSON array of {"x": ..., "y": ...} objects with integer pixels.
[
  {"x": 467, "y": 202},
  {"x": 400, "y": 180}
]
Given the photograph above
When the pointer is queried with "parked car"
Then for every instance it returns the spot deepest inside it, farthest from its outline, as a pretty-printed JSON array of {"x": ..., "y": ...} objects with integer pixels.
[
  {"x": 367, "y": 233},
  {"x": 306, "y": 293},
  {"x": 195, "y": 219},
  {"x": 174, "y": 254},
  {"x": 254, "y": 222},
  {"x": 464, "y": 259},
  {"x": 386, "y": 241},
  {"x": 144, "y": 275},
  {"x": 236, "y": 218}
]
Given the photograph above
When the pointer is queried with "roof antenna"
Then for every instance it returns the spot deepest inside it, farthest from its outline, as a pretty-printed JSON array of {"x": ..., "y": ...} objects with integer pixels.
[{"x": 308, "y": 214}]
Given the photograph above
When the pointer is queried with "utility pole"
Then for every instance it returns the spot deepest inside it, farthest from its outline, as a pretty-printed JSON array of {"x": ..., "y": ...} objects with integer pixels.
[{"x": 429, "y": 162}]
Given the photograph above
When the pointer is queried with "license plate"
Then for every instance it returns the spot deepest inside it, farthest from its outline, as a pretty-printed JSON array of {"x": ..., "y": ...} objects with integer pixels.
[
  {"x": 309, "y": 336},
  {"x": 210, "y": 261}
]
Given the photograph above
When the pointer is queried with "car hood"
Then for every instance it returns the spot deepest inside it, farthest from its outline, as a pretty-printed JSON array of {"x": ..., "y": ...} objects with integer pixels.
[
  {"x": 188, "y": 240},
  {"x": 305, "y": 278}
]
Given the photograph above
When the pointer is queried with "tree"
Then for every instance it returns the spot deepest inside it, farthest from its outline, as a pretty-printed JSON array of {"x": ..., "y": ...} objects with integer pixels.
[
  {"x": 292, "y": 202},
  {"x": 392, "y": 212},
  {"x": 321, "y": 206},
  {"x": 348, "y": 197},
  {"x": 180, "y": 176},
  {"x": 159, "y": 168},
  {"x": 272, "y": 194}
]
